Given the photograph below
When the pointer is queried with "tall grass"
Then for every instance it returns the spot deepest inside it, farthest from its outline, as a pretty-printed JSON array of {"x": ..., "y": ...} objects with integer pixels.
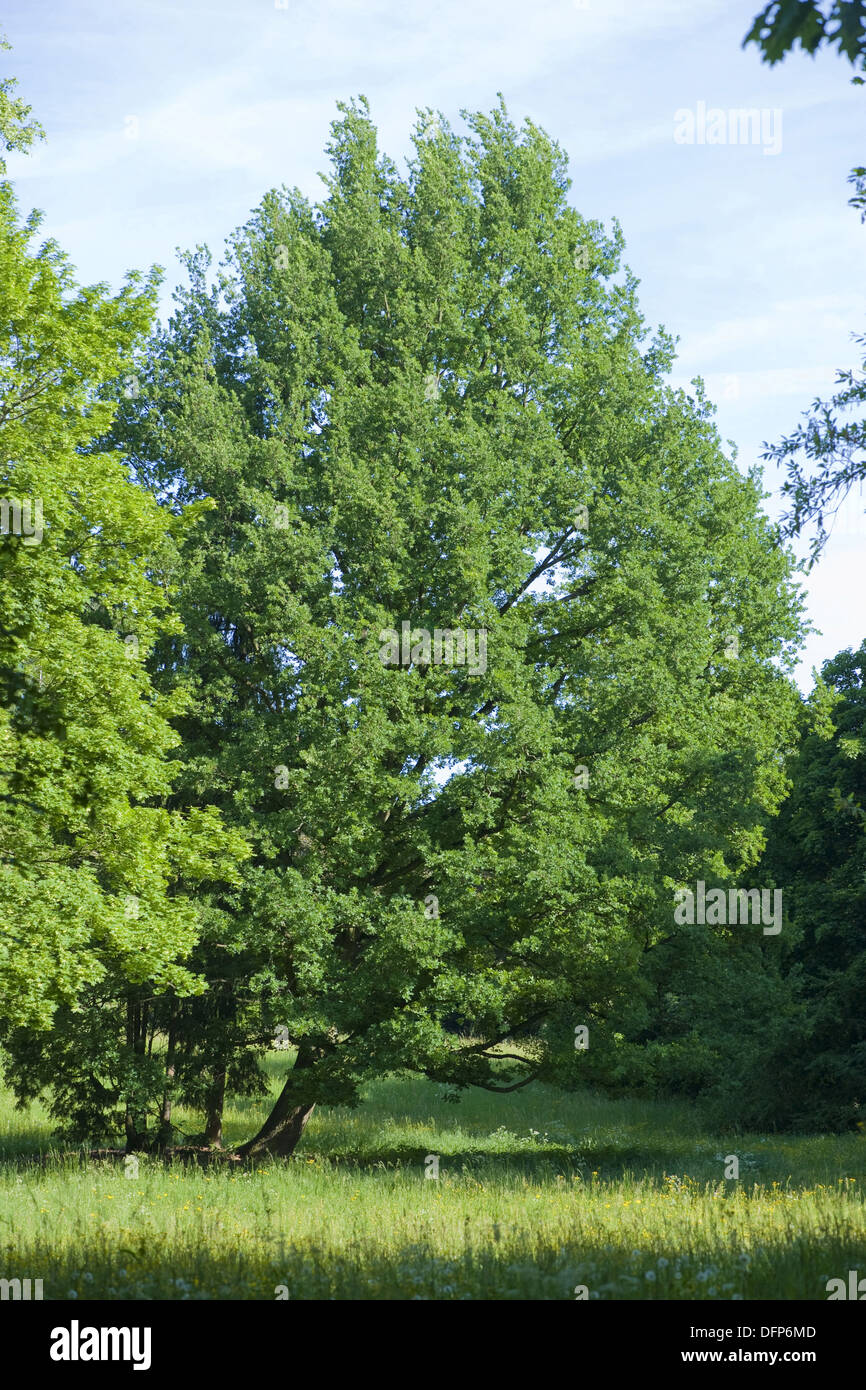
[{"x": 540, "y": 1195}]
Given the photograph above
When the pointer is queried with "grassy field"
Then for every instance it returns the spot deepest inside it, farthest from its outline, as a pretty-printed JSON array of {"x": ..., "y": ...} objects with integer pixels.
[{"x": 539, "y": 1195}]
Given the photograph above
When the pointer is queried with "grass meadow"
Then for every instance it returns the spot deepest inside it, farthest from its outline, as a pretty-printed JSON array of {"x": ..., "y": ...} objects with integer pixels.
[{"x": 539, "y": 1195}]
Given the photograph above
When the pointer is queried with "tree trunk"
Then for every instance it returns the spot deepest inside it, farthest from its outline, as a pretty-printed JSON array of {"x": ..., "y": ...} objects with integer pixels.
[
  {"x": 213, "y": 1129},
  {"x": 135, "y": 1123},
  {"x": 163, "y": 1138},
  {"x": 281, "y": 1131}
]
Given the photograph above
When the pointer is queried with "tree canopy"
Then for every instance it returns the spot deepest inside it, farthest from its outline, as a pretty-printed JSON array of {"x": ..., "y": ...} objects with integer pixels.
[{"x": 431, "y": 400}]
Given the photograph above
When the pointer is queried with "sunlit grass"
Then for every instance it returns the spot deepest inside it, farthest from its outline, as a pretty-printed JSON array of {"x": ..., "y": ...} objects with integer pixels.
[{"x": 538, "y": 1194}]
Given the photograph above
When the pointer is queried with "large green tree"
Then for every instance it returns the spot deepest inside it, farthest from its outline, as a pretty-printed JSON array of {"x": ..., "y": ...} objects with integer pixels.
[{"x": 431, "y": 400}]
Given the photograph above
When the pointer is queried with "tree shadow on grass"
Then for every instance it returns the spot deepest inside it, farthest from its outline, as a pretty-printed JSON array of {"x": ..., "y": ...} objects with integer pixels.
[{"x": 607, "y": 1162}]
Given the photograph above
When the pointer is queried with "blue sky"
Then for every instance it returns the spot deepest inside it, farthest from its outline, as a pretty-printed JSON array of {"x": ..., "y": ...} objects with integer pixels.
[{"x": 167, "y": 122}]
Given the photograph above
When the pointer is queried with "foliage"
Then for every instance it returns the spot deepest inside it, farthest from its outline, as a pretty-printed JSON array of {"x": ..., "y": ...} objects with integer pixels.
[
  {"x": 811, "y": 1070},
  {"x": 783, "y": 24},
  {"x": 834, "y": 444},
  {"x": 93, "y": 863},
  {"x": 430, "y": 399}
]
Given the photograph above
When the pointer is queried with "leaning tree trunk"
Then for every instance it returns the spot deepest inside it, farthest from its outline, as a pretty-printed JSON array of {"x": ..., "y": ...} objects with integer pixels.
[{"x": 281, "y": 1131}]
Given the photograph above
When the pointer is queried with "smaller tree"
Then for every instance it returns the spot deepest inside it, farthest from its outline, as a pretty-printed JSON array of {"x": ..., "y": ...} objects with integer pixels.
[
  {"x": 825, "y": 456},
  {"x": 835, "y": 447},
  {"x": 810, "y": 1070},
  {"x": 96, "y": 871}
]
